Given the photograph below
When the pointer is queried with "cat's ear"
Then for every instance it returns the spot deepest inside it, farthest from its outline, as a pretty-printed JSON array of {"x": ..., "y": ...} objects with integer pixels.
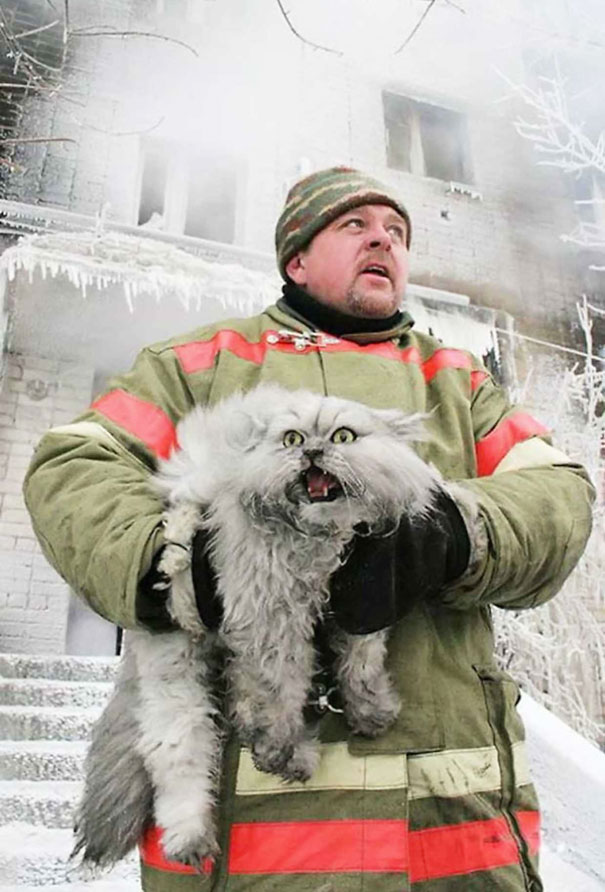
[
  {"x": 405, "y": 427},
  {"x": 245, "y": 430}
]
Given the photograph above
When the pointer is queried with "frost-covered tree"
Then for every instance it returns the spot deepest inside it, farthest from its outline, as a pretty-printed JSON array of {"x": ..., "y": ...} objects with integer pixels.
[{"x": 558, "y": 650}]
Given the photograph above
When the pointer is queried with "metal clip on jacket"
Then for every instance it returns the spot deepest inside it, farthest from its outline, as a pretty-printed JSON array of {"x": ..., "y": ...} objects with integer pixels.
[
  {"x": 302, "y": 339},
  {"x": 322, "y": 702}
]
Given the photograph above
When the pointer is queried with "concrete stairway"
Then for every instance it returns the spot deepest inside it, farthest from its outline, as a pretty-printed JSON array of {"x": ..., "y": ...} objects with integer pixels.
[{"x": 47, "y": 708}]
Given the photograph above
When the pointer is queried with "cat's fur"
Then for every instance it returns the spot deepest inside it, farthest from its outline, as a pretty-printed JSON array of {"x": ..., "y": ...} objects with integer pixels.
[{"x": 274, "y": 551}]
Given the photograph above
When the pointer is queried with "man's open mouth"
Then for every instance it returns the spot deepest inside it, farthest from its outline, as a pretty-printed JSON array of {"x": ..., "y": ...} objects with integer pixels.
[
  {"x": 377, "y": 269},
  {"x": 320, "y": 485}
]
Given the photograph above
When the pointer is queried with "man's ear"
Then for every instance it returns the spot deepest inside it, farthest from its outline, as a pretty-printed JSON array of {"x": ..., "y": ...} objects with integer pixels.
[{"x": 295, "y": 269}]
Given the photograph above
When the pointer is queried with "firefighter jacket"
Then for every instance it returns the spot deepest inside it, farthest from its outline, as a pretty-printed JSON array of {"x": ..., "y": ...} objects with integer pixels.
[{"x": 441, "y": 801}]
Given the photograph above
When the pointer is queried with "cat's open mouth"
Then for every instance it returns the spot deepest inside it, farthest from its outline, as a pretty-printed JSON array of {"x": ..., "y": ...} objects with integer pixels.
[{"x": 320, "y": 485}]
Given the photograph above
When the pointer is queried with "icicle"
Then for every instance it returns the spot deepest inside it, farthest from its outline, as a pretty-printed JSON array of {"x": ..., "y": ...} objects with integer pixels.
[
  {"x": 128, "y": 294},
  {"x": 141, "y": 266}
]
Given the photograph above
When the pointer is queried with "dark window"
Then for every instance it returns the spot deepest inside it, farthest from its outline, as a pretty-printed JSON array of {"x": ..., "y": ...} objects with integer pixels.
[
  {"x": 186, "y": 191},
  {"x": 426, "y": 139},
  {"x": 444, "y": 143},
  {"x": 153, "y": 184}
]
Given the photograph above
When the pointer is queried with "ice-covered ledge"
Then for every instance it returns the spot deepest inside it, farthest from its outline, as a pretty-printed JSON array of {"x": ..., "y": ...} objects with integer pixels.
[
  {"x": 98, "y": 254},
  {"x": 569, "y": 773}
]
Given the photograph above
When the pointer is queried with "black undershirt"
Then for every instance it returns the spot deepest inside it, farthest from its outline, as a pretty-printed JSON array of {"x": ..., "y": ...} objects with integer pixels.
[{"x": 324, "y": 318}]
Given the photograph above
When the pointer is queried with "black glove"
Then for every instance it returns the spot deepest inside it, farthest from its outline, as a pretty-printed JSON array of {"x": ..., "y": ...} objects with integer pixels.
[
  {"x": 153, "y": 590},
  {"x": 209, "y": 605},
  {"x": 383, "y": 577}
]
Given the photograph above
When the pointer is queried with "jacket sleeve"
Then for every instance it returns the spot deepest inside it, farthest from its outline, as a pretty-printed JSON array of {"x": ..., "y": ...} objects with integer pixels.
[
  {"x": 534, "y": 509},
  {"x": 88, "y": 486}
]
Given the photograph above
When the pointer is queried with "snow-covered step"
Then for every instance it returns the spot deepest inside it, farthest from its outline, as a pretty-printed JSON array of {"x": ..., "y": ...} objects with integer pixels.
[
  {"x": 42, "y": 760},
  {"x": 560, "y": 876},
  {"x": 106, "y": 885},
  {"x": 63, "y": 668},
  {"x": 50, "y": 692},
  {"x": 39, "y": 856},
  {"x": 34, "y": 723},
  {"x": 46, "y": 803}
]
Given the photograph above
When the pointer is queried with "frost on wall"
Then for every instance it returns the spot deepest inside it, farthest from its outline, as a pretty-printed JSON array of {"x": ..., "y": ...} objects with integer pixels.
[{"x": 140, "y": 266}]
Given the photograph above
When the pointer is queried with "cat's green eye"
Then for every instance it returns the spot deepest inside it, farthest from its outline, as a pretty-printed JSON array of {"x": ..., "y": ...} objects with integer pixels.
[
  {"x": 343, "y": 435},
  {"x": 293, "y": 438}
]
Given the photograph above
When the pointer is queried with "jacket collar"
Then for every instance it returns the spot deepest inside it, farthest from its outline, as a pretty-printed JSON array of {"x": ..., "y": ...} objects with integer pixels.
[{"x": 335, "y": 323}]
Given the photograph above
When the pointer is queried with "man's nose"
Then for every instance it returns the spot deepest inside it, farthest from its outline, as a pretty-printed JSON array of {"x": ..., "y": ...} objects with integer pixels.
[{"x": 379, "y": 238}]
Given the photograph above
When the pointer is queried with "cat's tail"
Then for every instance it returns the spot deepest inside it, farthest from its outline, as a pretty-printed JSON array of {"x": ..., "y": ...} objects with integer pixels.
[{"x": 117, "y": 803}]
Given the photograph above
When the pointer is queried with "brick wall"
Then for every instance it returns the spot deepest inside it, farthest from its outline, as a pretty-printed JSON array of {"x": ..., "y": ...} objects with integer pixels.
[{"x": 33, "y": 598}]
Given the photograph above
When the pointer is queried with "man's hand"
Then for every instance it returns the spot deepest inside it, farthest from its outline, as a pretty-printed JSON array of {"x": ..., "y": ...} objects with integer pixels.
[
  {"x": 383, "y": 577},
  {"x": 209, "y": 605},
  {"x": 152, "y": 609}
]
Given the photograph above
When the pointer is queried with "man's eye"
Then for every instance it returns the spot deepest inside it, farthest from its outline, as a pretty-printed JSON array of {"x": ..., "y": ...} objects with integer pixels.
[
  {"x": 343, "y": 435},
  {"x": 293, "y": 438},
  {"x": 397, "y": 232},
  {"x": 354, "y": 223}
]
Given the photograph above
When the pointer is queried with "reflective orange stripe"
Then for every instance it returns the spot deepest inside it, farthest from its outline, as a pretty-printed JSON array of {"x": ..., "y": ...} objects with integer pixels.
[
  {"x": 319, "y": 847},
  {"x": 529, "y": 822},
  {"x": 146, "y": 422},
  {"x": 461, "y": 848},
  {"x": 491, "y": 449},
  {"x": 477, "y": 378},
  {"x": 200, "y": 355},
  {"x": 445, "y": 359},
  {"x": 364, "y": 847}
]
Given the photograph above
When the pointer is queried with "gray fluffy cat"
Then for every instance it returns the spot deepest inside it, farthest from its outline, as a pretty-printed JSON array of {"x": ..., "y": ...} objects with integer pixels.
[{"x": 279, "y": 479}]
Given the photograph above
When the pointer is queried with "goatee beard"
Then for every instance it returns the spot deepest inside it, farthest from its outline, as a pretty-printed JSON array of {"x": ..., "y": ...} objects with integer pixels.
[{"x": 359, "y": 305}]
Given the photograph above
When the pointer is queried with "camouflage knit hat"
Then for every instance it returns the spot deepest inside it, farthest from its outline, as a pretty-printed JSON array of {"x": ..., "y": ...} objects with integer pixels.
[{"x": 321, "y": 197}]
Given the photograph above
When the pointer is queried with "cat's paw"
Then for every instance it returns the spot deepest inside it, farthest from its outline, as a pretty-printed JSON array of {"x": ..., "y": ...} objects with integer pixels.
[
  {"x": 269, "y": 755},
  {"x": 371, "y": 718},
  {"x": 303, "y": 763},
  {"x": 194, "y": 851},
  {"x": 188, "y": 828}
]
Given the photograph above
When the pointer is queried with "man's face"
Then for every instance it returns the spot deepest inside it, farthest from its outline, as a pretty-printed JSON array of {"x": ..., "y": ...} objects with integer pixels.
[{"x": 358, "y": 264}]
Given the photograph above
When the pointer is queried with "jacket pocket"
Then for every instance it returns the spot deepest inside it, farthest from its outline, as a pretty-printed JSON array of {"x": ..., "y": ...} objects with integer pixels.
[{"x": 501, "y": 694}]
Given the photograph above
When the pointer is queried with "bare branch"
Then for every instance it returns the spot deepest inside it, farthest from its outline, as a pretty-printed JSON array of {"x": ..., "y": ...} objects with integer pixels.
[
  {"x": 300, "y": 37},
  {"x": 416, "y": 28},
  {"x": 553, "y": 133},
  {"x": 119, "y": 132},
  {"x": 94, "y": 31},
  {"x": 36, "y": 30},
  {"x": 35, "y": 61},
  {"x": 38, "y": 139},
  {"x": 586, "y": 235}
]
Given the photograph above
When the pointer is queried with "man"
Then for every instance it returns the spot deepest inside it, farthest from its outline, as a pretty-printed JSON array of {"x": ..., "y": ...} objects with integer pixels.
[{"x": 442, "y": 802}]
